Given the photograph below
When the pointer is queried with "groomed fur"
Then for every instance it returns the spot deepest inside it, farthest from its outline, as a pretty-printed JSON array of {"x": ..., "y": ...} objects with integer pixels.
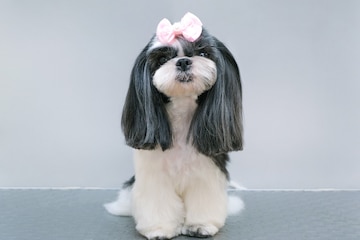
[{"x": 182, "y": 115}]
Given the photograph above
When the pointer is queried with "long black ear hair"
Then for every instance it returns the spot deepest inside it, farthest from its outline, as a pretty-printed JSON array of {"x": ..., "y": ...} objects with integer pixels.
[
  {"x": 144, "y": 119},
  {"x": 216, "y": 127}
]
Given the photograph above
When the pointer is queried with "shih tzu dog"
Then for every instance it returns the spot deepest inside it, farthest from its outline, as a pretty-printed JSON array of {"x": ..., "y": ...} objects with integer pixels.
[{"x": 182, "y": 115}]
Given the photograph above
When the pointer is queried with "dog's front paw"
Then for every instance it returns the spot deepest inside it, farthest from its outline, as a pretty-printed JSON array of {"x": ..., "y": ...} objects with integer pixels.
[
  {"x": 200, "y": 231},
  {"x": 159, "y": 234}
]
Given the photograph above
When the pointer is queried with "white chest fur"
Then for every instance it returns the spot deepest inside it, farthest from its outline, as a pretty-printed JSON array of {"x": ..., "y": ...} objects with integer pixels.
[{"x": 182, "y": 156}]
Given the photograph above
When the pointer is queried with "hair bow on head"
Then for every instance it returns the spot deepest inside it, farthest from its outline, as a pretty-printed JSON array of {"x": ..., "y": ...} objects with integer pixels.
[{"x": 190, "y": 27}]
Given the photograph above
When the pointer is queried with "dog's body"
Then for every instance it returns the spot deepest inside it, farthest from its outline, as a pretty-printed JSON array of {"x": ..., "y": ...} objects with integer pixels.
[
  {"x": 182, "y": 115},
  {"x": 170, "y": 188}
]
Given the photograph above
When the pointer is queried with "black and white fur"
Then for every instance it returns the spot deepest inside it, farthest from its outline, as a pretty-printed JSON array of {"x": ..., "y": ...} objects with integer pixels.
[{"x": 182, "y": 115}]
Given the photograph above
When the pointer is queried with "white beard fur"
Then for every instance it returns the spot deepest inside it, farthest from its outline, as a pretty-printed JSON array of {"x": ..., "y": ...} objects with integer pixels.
[{"x": 179, "y": 190}]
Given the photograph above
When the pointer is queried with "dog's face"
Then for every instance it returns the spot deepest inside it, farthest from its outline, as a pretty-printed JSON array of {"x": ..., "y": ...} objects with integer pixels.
[
  {"x": 183, "y": 68},
  {"x": 192, "y": 64}
]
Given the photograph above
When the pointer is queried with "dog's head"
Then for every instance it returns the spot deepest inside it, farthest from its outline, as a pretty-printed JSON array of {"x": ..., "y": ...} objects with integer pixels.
[{"x": 184, "y": 60}]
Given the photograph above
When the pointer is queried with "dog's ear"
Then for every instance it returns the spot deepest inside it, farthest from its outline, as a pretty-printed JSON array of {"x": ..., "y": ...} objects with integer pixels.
[
  {"x": 144, "y": 119},
  {"x": 217, "y": 124}
]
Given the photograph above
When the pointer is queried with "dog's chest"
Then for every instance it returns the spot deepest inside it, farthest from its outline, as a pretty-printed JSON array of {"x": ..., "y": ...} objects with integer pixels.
[
  {"x": 181, "y": 112},
  {"x": 182, "y": 157}
]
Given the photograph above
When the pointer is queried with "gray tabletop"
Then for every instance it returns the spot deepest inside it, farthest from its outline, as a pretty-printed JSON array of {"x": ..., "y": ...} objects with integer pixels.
[{"x": 276, "y": 215}]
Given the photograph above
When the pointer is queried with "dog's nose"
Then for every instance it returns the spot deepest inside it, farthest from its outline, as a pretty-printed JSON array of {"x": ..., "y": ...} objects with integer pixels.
[{"x": 184, "y": 64}]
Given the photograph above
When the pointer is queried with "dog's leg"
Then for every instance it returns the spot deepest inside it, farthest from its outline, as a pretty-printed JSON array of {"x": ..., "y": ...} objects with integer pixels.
[
  {"x": 205, "y": 203},
  {"x": 157, "y": 209}
]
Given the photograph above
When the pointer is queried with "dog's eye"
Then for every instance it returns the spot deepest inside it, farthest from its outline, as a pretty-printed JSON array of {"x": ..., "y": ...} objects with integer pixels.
[
  {"x": 162, "y": 60},
  {"x": 204, "y": 54}
]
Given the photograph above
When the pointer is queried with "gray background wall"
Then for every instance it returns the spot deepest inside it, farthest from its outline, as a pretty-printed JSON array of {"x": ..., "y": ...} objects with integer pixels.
[{"x": 64, "y": 71}]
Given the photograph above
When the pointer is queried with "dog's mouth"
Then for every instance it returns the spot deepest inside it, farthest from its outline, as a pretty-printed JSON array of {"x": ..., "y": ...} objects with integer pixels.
[{"x": 184, "y": 77}]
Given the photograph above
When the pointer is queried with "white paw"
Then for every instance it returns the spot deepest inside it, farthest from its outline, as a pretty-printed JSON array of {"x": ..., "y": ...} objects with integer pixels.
[
  {"x": 200, "y": 231},
  {"x": 159, "y": 234}
]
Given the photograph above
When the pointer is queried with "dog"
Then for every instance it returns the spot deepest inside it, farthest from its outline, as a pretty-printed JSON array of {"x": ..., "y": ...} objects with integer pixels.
[{"x": 182, "y": 115}]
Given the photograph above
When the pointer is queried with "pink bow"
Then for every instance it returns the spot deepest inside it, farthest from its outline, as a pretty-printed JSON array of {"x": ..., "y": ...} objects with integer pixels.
[{"x": 190, "y": 28}]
